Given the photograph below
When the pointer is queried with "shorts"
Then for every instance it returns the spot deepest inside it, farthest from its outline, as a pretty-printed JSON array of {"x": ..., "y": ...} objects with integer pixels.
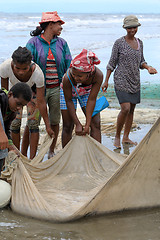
[
  {"x": 83, "y": 102},
  {"x": 125, "y": 97},
  {"x": 53, "y": 101},
  {"x": 33, "y": 117}
]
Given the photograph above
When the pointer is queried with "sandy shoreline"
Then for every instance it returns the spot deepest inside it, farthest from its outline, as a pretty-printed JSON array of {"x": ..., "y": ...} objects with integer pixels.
[
  {"x": 109, "y": 116},
  {"x": 143, "y": 118}
]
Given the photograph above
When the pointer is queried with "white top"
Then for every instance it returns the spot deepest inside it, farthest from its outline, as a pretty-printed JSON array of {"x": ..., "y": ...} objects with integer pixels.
[{"x": 7, "y": 72}]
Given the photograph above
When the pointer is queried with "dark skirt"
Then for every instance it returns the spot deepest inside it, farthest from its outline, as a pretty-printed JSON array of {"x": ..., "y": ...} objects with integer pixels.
[{"x": 125, "y": 97}]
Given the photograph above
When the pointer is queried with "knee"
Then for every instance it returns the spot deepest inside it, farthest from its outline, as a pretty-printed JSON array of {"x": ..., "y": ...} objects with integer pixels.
[
  {"x": 125, "y": 110},
  {"x": 15, "y": 125},
  {"x": 96, "y": 124},
  {"x": 33, "y": 126}
]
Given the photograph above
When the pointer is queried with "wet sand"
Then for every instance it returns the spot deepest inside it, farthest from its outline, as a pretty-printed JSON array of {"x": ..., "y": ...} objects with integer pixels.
[
  {"x": 132, "y": 225},
  {"x": 144, "y": 118}
]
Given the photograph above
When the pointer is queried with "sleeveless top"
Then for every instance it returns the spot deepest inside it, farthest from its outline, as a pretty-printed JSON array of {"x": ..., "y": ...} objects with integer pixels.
[{"x": 82, "y": 89}]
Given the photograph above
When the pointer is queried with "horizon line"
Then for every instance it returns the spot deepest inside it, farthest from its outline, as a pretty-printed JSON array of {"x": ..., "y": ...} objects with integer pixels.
[{"x": 118, "y": 13}]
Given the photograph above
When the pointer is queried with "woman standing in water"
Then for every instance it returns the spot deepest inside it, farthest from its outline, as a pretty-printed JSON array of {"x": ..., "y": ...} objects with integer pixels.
[
  {"x": 127, "y": 59},
  {"x": 53, "y": 56}
]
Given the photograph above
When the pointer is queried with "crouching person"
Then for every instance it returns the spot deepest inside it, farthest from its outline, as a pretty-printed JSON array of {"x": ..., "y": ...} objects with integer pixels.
[
  {"x": 10, "y": 102},
  {"x": 82, "y": 82}
]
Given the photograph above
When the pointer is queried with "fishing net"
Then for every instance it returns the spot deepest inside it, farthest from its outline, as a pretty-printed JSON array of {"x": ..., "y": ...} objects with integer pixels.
[
  {"x": 85, "y": 178},
  {"x": 148, "y": 91}
]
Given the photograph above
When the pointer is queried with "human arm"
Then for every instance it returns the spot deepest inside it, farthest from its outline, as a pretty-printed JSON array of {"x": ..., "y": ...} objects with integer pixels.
[
  {"x": 11, "y": 146},
  {"x": 5, "y": 123},
  {"x": 3, "y": 139},
  {"x": 5, "y": 69},
  {"x": 38, "y": 79},
  {"x": 9, "y": 117},
  {"x": 68, "y": 56},
  {"x": 31, "y": 46},
  {"x": 5, "y": 142},
  {"x": 67, "y": 90},
  {"x": 92, "y": 99},
  {"x": 151, "y": 70},
  {"x": 5, "y": 83},
  {"x": 43, "y": 109},
  {"x": 105, "y": 84}
]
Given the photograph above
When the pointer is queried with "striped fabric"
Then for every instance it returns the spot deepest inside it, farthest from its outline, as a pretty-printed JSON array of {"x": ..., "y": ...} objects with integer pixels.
[
  {"x": 52, "y": 79},
  {"x": 83, "y": 102},
  {"x": 59, "y": 47}
]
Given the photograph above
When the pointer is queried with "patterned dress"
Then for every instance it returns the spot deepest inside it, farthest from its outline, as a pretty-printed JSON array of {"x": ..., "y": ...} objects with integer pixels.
[{"x": 127, "y": 63}]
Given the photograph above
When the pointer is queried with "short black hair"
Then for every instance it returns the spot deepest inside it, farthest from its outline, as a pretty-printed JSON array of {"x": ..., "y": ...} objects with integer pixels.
[
  {"x": 22, "y": 55},
  {"x": 21, "y": 90}
]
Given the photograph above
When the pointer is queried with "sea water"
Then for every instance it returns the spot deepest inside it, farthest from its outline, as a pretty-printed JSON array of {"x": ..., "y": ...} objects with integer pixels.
[{"x": 96, "y": 32}]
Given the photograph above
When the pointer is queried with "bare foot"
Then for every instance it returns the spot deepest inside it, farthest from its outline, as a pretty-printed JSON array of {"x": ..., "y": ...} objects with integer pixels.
[
  {"x": 51, "y": 154},
  {"x": 117, "y": 150},
  {"x": 129, "y": 141},
  {"x": 117, "y": 143}
]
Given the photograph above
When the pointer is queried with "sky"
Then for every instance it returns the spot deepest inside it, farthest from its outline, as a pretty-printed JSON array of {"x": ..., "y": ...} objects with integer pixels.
[{"x": 81, "y": 6}]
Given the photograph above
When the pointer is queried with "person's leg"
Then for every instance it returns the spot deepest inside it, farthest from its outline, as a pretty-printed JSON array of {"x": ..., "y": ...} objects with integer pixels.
[
  {"x": 128, "y": 125},
  {"x": 121, "y": 119},
  {"x": 16, "y": 139},
  {"x": 25, "y": 141},
  {"x": 34, "y": 138},
  {"x": 30, "y": 139},
  {"x": 67, "y": 121},
  {"x": 53, "y": 100},
  {"x": 15, "y": 129},
  {"x": 31, "y": 133},
  {"x": 55, "y": 128},
  {"x": 96, "y": 127},
  {"x": 67, "y": 129}
]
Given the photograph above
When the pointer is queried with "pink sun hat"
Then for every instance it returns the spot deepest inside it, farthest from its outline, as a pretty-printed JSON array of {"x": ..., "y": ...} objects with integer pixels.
[{"x": 51, "y": 17}]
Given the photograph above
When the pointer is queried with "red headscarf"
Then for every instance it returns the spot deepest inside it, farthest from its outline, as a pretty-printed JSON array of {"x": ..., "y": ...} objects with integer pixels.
[{"x": 85, "y": 61}]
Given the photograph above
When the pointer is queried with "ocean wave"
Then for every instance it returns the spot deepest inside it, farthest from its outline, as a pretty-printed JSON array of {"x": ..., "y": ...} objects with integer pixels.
[
  {"x": 78, "y": 21},
  {"x": 5, "y": 24},
  {"x": 90, "y": 45},
  {"x": 149, "y": 36},
  {"x": 34, "y": 17},
  {"x": 12, "y": 26},
  {"x": 92, "y": 20}
]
